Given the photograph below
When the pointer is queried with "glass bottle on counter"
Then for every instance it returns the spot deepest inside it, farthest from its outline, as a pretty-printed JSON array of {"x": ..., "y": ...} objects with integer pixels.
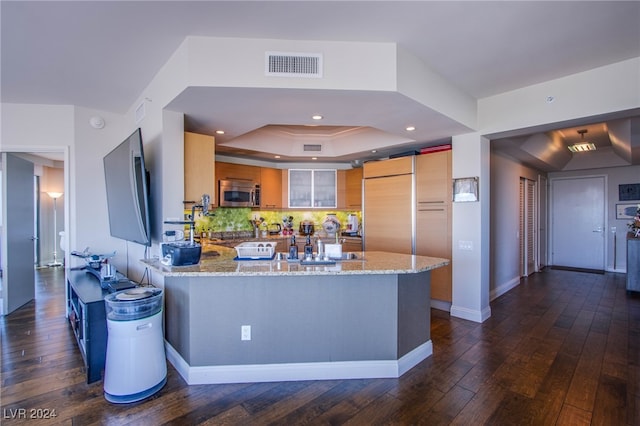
[
  {"x": 308, "y": 248},
  {"x": 293, "y": 248}
]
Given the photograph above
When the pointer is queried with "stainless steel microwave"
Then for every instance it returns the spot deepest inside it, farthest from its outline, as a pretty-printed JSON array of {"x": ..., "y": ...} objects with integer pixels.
[{"x": 238, "y": 193}]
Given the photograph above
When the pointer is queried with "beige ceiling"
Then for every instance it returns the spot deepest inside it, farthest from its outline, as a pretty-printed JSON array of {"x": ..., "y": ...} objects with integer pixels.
[{"x": 103, "y": 54}]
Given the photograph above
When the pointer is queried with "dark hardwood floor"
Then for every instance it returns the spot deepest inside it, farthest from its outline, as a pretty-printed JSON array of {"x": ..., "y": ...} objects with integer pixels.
[{"x": 561, "y": 348}]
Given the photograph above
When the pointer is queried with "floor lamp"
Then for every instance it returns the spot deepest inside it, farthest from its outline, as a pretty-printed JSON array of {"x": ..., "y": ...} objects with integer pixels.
[{"x": 55, "y": 196}]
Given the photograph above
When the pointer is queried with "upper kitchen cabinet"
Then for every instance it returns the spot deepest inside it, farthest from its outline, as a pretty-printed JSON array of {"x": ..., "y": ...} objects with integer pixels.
[
  {"x": 391, "y": 167},
  {"x": 353, "y": 189},
  {"x": 350, "y": 189},
  {"x": 270, "y": 188},
  {"x": 433, "y": 177},
  {"x": 233, "y": 171},
  {"x": 312, "y": 188},
  {"x": 199, "y": 167}
]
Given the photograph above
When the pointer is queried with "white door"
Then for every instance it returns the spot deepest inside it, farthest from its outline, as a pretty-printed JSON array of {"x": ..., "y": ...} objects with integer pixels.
[
  {"x": 578, "y": 218},
  {"x": 18, "y": 281}
]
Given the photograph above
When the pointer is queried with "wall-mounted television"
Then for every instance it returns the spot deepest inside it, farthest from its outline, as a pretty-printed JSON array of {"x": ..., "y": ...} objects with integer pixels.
[{"x": 127, "y": 185}]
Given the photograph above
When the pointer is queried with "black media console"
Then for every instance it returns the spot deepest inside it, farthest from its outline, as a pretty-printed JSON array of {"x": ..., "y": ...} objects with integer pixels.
[{"x": 88, "y": 320}]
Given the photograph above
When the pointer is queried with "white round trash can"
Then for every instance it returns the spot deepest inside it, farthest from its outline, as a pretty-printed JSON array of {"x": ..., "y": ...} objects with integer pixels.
[{"x": 135, "y": 365}]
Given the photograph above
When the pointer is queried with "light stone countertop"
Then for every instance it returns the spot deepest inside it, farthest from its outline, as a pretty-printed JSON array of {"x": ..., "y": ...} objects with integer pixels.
[{"x": 217, "y": 260}]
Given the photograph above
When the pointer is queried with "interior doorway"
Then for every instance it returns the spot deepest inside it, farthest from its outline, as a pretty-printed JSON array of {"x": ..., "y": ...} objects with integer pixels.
[
  {"x": 41, "y": 226},
  {"x": 578, "y": 217}
]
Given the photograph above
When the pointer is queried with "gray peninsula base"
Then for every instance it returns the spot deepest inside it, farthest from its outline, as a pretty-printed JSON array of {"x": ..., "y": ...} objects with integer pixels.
[{"x": 305, "y": 327}]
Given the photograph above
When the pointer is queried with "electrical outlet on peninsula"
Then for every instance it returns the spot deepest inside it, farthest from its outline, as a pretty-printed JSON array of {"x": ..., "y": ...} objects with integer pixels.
[{"x": 245, "y": 332}]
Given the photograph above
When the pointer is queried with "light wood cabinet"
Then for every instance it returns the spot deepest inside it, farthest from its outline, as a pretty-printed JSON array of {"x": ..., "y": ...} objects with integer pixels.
[
  {"x": 391, "y": 167},
  {"x": 387, "y": 214},
  {"x": 351, "y": 244},
  {"x": 433, "y": 177},
  {"x": 433, "y": 217},
  {"x": 353, "y": 189},
  {"x": 199, "y": 167},
  {"x": 349, "y": 189},
  {"x": 237, "y": 171},
  {"x": 270, "y": 188},
  {"x": 433, "y": 223}
]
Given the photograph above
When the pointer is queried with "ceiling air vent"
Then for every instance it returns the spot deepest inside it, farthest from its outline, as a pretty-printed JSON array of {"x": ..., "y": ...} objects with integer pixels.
[
  {"x": 312, "y": 148},
  {"x": 280, "y": 64}
]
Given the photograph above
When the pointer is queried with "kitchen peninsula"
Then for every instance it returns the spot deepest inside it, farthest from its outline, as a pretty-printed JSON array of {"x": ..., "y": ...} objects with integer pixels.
[{"x": 229, "y": 321}]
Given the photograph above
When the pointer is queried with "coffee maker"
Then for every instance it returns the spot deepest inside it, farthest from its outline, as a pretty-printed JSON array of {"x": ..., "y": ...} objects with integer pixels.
[{"x": 352, "y": 224}]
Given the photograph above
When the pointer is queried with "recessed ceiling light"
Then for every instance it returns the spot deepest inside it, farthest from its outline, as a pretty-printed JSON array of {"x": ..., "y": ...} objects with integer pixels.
[
  {"x": 373, "y": 151},
  {"x": 316, "y": 117},
  {"x": 410, "y": 128},
  {"x": 314, "y": 158},
  {"x": 220, "y": 132},
  {"x": 277, "y": 156}
]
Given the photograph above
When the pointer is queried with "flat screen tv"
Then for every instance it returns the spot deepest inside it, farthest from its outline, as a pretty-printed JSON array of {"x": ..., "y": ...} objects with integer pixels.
[{"x": 128, "y": 191}]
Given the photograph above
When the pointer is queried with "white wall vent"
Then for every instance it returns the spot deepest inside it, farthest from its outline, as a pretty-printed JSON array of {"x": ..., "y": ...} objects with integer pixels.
[
  {"x": 312, "y": 148},
  {"x": 282, "y": 64}
]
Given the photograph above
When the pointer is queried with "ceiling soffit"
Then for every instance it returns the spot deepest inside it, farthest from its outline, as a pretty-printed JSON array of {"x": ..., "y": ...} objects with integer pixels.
[
  {"x": 255, "y": 119},
  {"x": 316, "y": 141},
  {"x": 617, "y": 142}
]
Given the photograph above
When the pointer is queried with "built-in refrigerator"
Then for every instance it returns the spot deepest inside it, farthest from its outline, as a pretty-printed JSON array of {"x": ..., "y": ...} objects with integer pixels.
[{"x": 389, "y": 206}]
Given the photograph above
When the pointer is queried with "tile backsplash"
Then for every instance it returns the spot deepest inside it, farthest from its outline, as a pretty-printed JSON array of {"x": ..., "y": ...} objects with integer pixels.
[{"x": 238, "y": 219}]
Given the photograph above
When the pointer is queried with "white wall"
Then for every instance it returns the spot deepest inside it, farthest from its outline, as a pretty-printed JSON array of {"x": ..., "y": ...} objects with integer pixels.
[
  {"x": 470, "y": 223},
  {"x": 603, "y": 90},
  {"x": 505, "y": 222},
  {"x": 89, "y": 202},
  {"x": 40, "y": 128}
]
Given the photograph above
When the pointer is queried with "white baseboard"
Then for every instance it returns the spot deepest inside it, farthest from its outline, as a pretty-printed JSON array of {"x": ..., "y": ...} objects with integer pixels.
[
  {"x": 297, "y": 371},
  {"x": 502, "y": 289},
  {"x": 470, "y": 314}
]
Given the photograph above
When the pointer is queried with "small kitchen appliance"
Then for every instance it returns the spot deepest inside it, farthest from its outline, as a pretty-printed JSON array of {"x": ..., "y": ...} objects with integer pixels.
[
  {"x": 238, "y": 193},
  {"x": 275, "y": 229},
  {"x": 353, "y": 225},
  {"x": 181, "y": 253},
  {"x": 306, "y": 228}
]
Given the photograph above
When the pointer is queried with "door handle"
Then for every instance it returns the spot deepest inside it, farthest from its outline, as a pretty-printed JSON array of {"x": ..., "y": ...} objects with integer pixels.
[{"x": 598, "y": 229}]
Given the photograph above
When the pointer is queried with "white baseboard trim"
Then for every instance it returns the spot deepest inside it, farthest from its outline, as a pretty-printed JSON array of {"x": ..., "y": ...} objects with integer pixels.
[
  {"x": 470, "y": 314},
  {"x": 502, "y": 289},
  {"x": 297, "y": 371},
  {"x": 441, "y": 305}
]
